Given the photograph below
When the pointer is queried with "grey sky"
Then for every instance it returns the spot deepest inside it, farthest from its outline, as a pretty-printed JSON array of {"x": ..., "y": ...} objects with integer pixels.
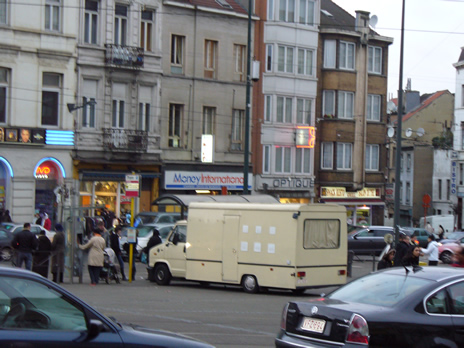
[{"x": 433, "y": 37}]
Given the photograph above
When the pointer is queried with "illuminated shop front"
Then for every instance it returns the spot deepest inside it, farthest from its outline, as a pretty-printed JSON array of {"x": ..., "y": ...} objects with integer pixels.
[
  {"x": 6, "y": 175},
  {"x": 363, "y": 207}
]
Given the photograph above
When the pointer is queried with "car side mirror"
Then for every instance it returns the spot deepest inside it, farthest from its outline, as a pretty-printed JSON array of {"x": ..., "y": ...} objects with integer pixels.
[
  {"x": 175, "y": 239},
  {"x": 94, "y": 329}
]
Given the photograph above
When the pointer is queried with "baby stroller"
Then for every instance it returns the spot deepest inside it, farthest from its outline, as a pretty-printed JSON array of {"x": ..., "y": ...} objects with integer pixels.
[{"x": 110, "y": 270}]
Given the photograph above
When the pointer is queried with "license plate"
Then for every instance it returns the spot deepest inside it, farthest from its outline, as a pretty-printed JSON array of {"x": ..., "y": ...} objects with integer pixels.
[{"x": 313, "y": 325}]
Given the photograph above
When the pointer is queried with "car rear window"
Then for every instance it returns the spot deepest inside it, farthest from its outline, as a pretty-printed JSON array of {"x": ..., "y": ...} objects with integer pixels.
[{"x": 379, "y": 289}]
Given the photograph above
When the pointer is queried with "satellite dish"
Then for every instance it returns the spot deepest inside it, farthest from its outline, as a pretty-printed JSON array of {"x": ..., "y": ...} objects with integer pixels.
[
  {"x": 408, "y": 132},
  {"x": 388, "y": 238},
  {"x": 420, "y": 132},
  {"x": 391, "y": 132},
  {"x": 373, "y": 21}
]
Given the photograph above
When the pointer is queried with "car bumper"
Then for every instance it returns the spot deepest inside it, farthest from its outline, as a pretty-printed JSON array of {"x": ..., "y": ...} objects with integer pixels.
[{"x": 294, "y": 341}]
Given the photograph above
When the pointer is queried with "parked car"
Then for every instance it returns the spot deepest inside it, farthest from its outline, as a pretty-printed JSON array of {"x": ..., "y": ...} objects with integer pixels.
[
  {"x": 34, "y": 229},
  {"x": 446, "y": 251},
  {"x": 35, "y": 312},
  {"x": 396, "y": 307},
  {"x": 421, "y": 233},
  {"x": 6, "y": 251},
  {"x": 151, "y": 218},
  {"x": 369, "y": 240},
  {"x": 455, "y": 237}
]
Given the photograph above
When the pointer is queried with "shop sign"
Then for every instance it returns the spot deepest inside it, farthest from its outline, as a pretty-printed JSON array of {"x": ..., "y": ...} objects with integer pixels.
[
  {"x": 286, "y": 183},
  {"x": 340, "y": 192},
  {"x": 305, "y": 137},
  {"x": 389, "y": 192},
  {"x": 43, "y": 172},
  {"x": 453, "y": 177},
  {"x": 132, "y": 185},
  {"x": 181, "y": 180}
]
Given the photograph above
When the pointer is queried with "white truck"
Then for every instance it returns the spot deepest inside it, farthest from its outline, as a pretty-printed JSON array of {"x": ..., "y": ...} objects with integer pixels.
[
  {"x": 284, "y": 246},
  {"x": 447, "y": 221}
]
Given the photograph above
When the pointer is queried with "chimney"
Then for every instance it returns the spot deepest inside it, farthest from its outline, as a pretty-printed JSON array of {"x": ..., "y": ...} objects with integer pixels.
[{"x": 362, "y": 25}]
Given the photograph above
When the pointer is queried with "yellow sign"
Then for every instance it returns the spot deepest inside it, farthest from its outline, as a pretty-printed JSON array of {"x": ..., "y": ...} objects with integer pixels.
[{"x": 340, "y": 192}]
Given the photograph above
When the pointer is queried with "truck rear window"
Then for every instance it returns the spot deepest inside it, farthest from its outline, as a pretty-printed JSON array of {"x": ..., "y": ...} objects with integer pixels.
[{"x": 321, "y": 234}]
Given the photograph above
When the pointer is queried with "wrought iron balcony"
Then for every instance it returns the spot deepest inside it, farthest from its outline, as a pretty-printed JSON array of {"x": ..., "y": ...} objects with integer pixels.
[
  {"x": 125, "y": 140},
  {"x": 124, "y": 56}
]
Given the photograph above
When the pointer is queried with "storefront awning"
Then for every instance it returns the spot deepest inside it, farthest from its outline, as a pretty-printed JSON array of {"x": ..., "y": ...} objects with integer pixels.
[
  {"x": 353, "y": 201},
  {"x": 114, "y": 176}
]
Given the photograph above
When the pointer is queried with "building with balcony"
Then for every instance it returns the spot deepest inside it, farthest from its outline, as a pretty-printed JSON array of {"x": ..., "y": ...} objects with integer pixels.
[
  {"x": 202, "y": 102},
  {"x": 37, "y": 80},
  {"x": 284, "y": 99},
  {"x": 118, "y": 115},
  {"x": 350, "y": 156}
]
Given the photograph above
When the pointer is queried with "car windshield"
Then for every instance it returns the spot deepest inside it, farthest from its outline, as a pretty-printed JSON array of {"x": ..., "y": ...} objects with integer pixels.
[
  {"x": 455, "y": 235},
  {"x": 147, "y": 219},
  {"x": 144, "y": 231},
  {"x": 379, "y": 289}
]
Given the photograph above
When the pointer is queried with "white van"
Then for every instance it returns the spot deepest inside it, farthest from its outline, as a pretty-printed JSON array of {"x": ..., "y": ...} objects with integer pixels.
[
  {"x": 447, "y": 221},
  {"x": 286, "y": 246}
]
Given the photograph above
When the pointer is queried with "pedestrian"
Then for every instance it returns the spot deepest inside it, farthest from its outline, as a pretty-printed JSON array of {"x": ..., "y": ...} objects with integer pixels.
[
  {"x": 116, "y": 246},
  {"x": 25, "y": 242},
  {"x": 41, "y": 256},
  {"x": 387, "y": 260},
  {"x": 6, "y": 216},
  {"x": 96, "y": 257},
  {"x": 38, "y": 219},
  {"x": 103, "y": 231},
  {"x": 401, "y": 249},
  {"x": 432, "y": 250},
  {"x": 155, "y": 239},
  {"x": 412, "y": 256},
  {"x": 58, "y": 248},
  {"x": 458, "y": 259},
  {"x": 429, "y": 228},
  {"x": 47, "y": 223},
  {"x": 441, "y": 232},
  {"x": 414, "y": 240}
]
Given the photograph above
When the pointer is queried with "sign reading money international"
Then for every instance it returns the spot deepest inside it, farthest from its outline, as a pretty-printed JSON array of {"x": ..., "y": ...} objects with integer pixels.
[
  {"x": 132, "y": 185},
  {"x": 184, "y": 180}
]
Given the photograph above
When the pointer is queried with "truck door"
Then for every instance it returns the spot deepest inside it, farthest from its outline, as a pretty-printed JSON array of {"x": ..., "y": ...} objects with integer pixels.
[
  {"x": 176, "y": 251},
  {"x": 230, "y": 248}
]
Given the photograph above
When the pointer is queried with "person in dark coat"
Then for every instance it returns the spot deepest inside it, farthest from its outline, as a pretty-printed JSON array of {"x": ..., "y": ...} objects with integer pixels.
[
  {"x": 412, "y": 256},
  {"x": 387, "y": 260},
  {"x": 6, "y": 216},
  {"x": 115, "y": 245},
  {"x": 25, "y": 242},
  {"x": 58, "y": 249},
  {"x": 401, "y": 250},
  {"x": 41, "y": 256}
]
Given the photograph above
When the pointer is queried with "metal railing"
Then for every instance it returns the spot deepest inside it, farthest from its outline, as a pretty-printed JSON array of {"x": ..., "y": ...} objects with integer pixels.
[
  {"x": 125, "y": 140},
  {"x": 124, "y": 56}
]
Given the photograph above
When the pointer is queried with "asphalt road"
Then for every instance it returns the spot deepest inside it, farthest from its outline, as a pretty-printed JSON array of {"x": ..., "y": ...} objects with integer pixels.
[{"x": 224, "y": 316}]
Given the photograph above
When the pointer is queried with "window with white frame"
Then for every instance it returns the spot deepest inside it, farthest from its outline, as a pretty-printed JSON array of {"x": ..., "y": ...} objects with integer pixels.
[
  {"x": 118, "y": 113},
  {"x": 91, "y": 22},
  {"x": 268, "y": 108},
  {"x": 330, "y": 54},
  {"x": 408, "y": 192},
  {"x": 4, "y": 92},
  {"x": 266, "y": 159},
  {"x": 344, "y": 155},
  {"x": 346, "y": 55},
  {"x": 269, "y": 48},
  {"x": 51, "y": 90},
  {"x": 303, "y": 161},
  {"x": 374, "y": 60},
  {"x": 146, "y": 30},
  {"x": 345, "y": 104},
  {"x": 176, "y": 112},
  {"x": 287, "y": 11},
  {"x": 52, "y": 15},
  {"x": 284, "y": 110},
  {"x": 120, "y": 24},
  {"x": 238, "y": 117},
  {"x": 209, "y": 118},
  {"x": 373, "y": 107},
  {"x": 328, "y": 104},
  {"x": 240, "y": 59},
  {"x": 144, "y": 117},
  {"x": 177, "y": 54},
  {"x": 306, "y": 12},
  {"x": 211, "y": 51},
  {"x": 303, "y": 111},
  {"x": 327, "y": 155},
  {"x": 89, "y": 101},
  {"x": 372, "y": 157},
  {"x": 3, "y": 12},
  {"x": 285, "y": 63},
  {"x": 408, "y": 162},
  {"x": 283, "y": 159},
  {"x": 270, "y": 10},
  {"x": 305, "y": 61}
]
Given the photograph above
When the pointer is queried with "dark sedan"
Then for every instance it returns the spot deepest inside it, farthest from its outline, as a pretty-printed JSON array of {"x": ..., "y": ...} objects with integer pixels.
[
  {"x": 397, "y": 307},
  {"x": 35, "y": 312},
  {"x": 6, "y": 251},
  {"x": 369, "y": 240}
]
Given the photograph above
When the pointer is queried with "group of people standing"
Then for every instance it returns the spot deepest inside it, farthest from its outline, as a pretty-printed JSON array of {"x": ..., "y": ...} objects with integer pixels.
[
  {"x": 407, "y": 253},
  {"x": 36, "y": 252}
]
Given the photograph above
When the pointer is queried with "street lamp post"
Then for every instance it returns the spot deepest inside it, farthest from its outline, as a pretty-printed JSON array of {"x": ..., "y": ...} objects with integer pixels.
[
  {"x": 247, "y": 106},
  {"x": 396, "y": 219}
]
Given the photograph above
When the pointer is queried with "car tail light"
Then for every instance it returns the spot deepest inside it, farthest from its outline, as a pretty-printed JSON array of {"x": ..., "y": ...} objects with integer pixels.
[
  {"x": 301, "y": 274},
  {"x": 358, "y": 331},
  {"x": 283, "y": 321}
]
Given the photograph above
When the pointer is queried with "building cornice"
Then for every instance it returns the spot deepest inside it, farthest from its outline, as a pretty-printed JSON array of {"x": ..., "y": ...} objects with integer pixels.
[
  {"x": 355, "y": 34},
  {"x": 210, "y": 10}
]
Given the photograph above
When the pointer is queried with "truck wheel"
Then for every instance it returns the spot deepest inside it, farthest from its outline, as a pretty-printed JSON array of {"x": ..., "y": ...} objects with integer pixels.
[
  {"x": 250, "y": 284},
  {"x": 162, "y": 275}
]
